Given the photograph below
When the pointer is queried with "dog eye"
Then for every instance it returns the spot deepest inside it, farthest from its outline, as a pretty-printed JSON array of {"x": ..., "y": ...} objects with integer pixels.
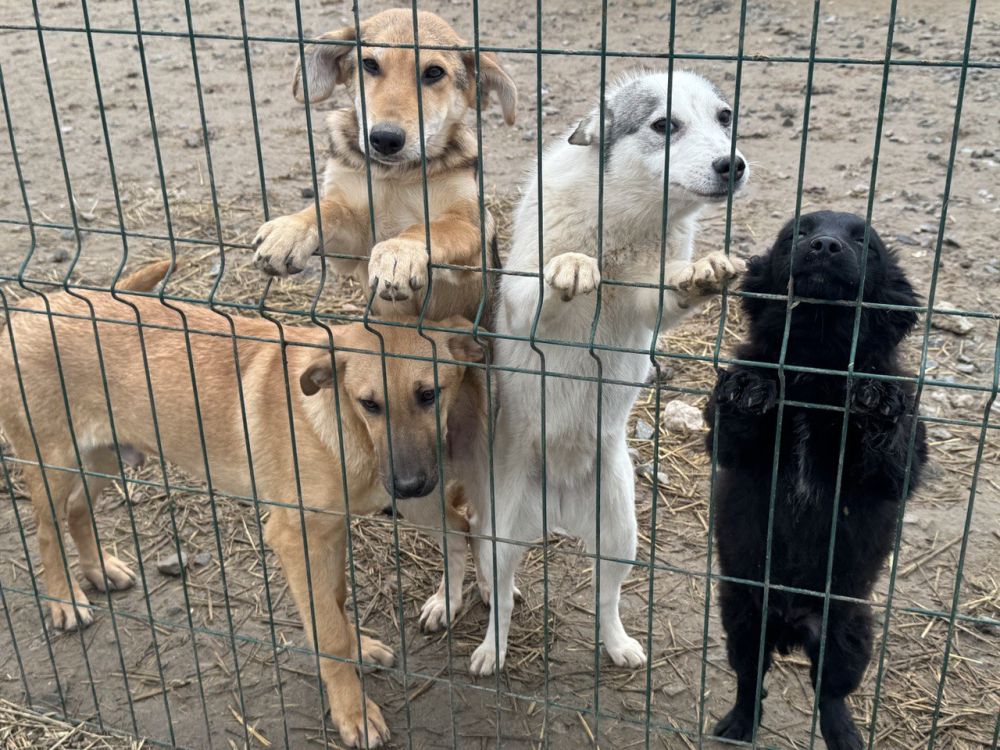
[
  {"x": 427, "y": 396},
  {"x": 433, "y": 73},
  {"x": 660, "y": 126},
  {"x": 371, "y": 65},
  {"x": 726, "y": 117},
  {"x": 369, "y": 406}
]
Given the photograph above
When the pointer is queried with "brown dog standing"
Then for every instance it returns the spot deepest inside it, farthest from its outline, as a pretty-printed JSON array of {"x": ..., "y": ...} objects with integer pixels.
[
  {"x": 397, "y": 255},
  {"x": 59, "y": 497}
]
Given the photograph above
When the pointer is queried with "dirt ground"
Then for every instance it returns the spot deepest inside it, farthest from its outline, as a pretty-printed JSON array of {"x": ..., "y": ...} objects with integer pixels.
[{"x": 237, "y": 681}]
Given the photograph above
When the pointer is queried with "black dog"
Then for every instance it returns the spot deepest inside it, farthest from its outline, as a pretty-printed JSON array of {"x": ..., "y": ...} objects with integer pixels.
[{"x": 825, "y": 259}]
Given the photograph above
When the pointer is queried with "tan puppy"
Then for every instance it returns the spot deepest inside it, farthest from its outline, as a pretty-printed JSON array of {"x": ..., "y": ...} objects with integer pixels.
[
  {"x": 397, "y": 267},
  {"x": 59, "y": 496}
]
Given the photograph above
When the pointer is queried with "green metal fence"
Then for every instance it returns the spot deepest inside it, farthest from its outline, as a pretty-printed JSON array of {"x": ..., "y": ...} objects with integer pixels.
[{"x": 109, "y": 685}]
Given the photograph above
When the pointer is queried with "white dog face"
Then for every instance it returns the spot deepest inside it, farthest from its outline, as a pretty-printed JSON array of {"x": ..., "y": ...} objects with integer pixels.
[{"x": 637, "y": 124}]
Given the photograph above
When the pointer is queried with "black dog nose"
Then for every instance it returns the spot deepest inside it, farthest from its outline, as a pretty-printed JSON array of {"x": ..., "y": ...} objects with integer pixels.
[
  {"x": 826, "y": 246},
  {"x": 723, "y": 165},
  {"x": 415, "y": 485},
  {"x": 387, "y": 139}
]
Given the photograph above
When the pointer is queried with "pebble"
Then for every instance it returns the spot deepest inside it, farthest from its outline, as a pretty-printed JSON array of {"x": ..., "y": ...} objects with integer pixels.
[
  {"x": 307, "y": 193},
  {"x": 681, "y": 418},
  {"x": 646, "y": 470},
  {"x": 940, "y": 433},
  {"x": 172, "y": 565},
  {"x": 906, "y": 239},
  {"x": 59, "y": 255},
  {"x": 202, "y": 558},
  {"x": 957, "y": 324},
  {"x": 643, "y": 429}
]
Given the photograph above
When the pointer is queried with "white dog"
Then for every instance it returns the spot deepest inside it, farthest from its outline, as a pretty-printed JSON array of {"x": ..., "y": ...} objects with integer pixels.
[{"x": 636, "y": 126}]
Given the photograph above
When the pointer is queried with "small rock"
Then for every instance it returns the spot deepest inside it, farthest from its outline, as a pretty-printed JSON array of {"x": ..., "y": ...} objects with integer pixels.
[
  {"x": 968, "y": 368},
  {"x": 681, "y": 418},
  {"x": 957, "y": 324},
  {"x": 307, "y": 193},
  {"x": 172, "y": 565},
  {"x": 643, "y": 429},
  {"x": 202, "y": 558},
  {"x": 59, "y": 255},
  {"x": 940, "y": 433},
  {"x": 906, "y": 239},
  {"x": 192, "y": 141}
]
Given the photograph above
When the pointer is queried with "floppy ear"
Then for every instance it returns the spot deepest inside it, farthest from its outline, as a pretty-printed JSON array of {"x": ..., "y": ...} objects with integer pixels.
[
  {"x": 895, "y": 289},
  {"x": 492, "y": 78},
  {"x": 588, "y": 130},
  {"x": 462, "y": 346},
  {"x": 326, "y": 65},
  {"x": 319, "y": 372}
]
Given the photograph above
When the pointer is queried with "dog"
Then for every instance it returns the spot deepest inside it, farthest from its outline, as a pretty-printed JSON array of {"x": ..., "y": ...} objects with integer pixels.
[
  {"x": 345, "y": 386},
  {"x": 823, "y": 258},
  {"x": 395, "y": 260},
  {"x": 636, "y": 131}
]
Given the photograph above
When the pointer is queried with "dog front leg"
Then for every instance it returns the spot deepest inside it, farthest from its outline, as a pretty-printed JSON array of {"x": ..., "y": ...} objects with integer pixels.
[
  {"x": 398, "y": 267},
  {"x": 284, "y": 245},
  {"x": 441, "y": 607},
  {"x": 692, "y": 284},
  {"x": 358, "y": 718}
]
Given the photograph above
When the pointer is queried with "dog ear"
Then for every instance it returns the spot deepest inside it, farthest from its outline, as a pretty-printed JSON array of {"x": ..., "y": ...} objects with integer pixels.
[
  {"x": 894, "y": 289},
  {"x": 492, "y": 78},
  {"x": 588, "y": 130},
  {"x": 326, "y": 65},
  {"x": 462, "y": 346},
  {"x": 319, "y": 372}
]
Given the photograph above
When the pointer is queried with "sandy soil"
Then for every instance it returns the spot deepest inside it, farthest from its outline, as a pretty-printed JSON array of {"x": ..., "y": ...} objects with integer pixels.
[{"x": 201, "y": 686}]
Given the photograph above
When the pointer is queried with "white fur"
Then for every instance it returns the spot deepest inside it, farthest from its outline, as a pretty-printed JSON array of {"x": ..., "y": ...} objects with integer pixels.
[{"x": 632, "y": 216}]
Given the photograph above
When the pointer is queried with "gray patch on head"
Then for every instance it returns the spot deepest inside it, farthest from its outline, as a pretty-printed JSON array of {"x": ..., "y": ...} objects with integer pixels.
[{"x": 632, "y": 105}]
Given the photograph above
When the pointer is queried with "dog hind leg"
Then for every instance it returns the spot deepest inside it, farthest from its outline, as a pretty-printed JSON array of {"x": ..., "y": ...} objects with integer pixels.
[
  {"x": 618, "y": 541},
  {"x": 741, "y": 618},
  {"x": 114, "y": 575},
  {"x": 845, "y": 659}
]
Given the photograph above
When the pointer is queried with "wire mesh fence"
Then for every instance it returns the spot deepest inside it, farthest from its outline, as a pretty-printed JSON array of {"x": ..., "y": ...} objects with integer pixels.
[{"x": 143, "y": 132}]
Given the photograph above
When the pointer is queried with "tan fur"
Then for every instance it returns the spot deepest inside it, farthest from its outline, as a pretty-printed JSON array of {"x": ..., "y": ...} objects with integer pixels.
[
  {"x": 321, "y": 473},
  {"x": 394, "y": 261}
]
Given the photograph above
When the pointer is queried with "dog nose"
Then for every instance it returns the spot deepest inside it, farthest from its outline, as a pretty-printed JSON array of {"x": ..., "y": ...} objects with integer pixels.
[
  {"x": 724, "y": 165},
  {"x": 387, "y": 139},
  {"x": 821, "y": 246},
  {"x": 414, "y": 485}
]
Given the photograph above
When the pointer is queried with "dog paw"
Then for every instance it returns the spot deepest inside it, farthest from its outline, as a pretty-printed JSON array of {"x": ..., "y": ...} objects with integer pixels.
[
  {"x": 878, "y": 398},
  {"x": 838, "y": 727},
  {"x": 352, "y": 725},
  {"x": 708, "y": 275},
  {"x": 373, "y": 651},
  {"x": 484, "y": 660},
  {"x": 284, "y": 245},
  {"x": 571, "y": 274},
  {"x": 434, "y": 612},
  {"x": 67, "y": 617},
  {"x": 120, "y": 576},
  {"x": 735, "y": 725},
  {"x": 746, "y": 391},
  {"x": 397, "y": 268},
  {"x": 627, "y": 653}
]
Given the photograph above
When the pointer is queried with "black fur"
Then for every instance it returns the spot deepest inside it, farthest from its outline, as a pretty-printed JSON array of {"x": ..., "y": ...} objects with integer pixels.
[{"x": 826, "y": 265}]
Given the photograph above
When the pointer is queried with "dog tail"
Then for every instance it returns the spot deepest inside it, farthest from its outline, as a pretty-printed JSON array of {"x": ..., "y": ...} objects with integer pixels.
[{"x": 147, "y": 277}]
